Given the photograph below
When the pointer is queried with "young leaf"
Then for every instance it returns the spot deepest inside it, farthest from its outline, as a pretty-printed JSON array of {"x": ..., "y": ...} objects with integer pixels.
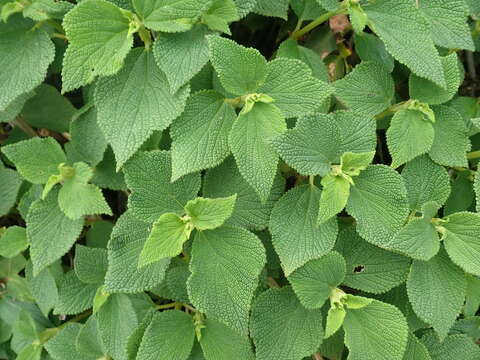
[
  {"x": 378, "y": 201},
  {"x": 169, "y": 336},
  {"x": 335, "y": 318},
  {"x": 249, "y": 212},
  {"x": 26, "y": 55},
  {"x": 335, "y": 193},
  {"x": 90, "y": 264},
  {"x": 13, "y": 241},
  {"x": 294, "y": 89},
  {"x": 241, "y": 70},
  {"x": 254, "y": 156},
  {"x": 208, "y": 214},
  {"x": 294, "y": 216},
  {"x": 376, "y": 331},
  {"x": 166, "y": 239},
  {"x": 415, "y": 48},
  {"x": 200, "y": 134},
  {"x": 225, "y": 266},
  {"x": 410, "y": 134},
  {"x": 313, "y": 282},
  {"x": 370, "y": 268},
  {"x": 220, "y": 14},
  {"x": 276, "y": 310},
  {"x": 127, "y": 241},
  {"x": 50, "y": 232},
  {"x": 35, "y": 159},
  {"x": 148, "y": 176},
  {"x": 311, "y": 146},
  {"x": 367, "y": 90},
  {"x": 128, "y": 119},
  {"x": 436, "y": 290},
  {"x": 99, "y": 40},
  {"x": 462, "y": 240}
]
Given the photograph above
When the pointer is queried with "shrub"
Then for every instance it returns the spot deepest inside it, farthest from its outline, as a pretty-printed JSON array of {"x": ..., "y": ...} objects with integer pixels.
[{"x": 239, "y": 179}]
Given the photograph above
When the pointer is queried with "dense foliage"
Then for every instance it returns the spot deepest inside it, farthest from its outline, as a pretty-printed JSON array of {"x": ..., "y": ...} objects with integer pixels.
[{"x": 239, "y": 179}]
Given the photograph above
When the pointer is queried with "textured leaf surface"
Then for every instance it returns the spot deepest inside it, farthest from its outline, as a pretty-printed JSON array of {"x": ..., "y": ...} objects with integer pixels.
[
  {"x": 148, "y": 176},
  {"x": 249, "y": 212},
  {"x": 313, "y": 282},
  {"x": 370, "y": 268},
  {"x": 99, "y": 41},
  {"x": 90, "y": 264},
  {"x": 453, "y": 347},
  {"x": 358, "y": 132},
  {"x": 241, "y": 70},
  {"x": 414, "y": 48},
  {"x": 410, "y": 134},
  {"x": 74, "y": 296},
  {"x": 207, "y": 214},
  {"x": 378, "y": 201},
  {"x": 274, "y": 8},
  {"x": 60, "y": 346},
  {"x": 50, "y": 232},
  {"x": 169, "y": 336},
  {"x": 200, "y": 134},
  {"x": 127, "y": 241},
  {"x": 255, "y": 157},
  {"x": 43, "y": 287},
  {"x": 450, "y": 143},
  {"x": 293, "y": 225},
  {"x": 436, "y": 290},
  {"x": 36, "y": 159},
  {"x": 10, "y": 182},
  {"x": 293, "y": 87},
  {"x": 226, "y": 263},
  {"x": 311, "y": 146},
  {"x": 415, "y": 349},
  {"x": 276, "y": 315},
  {"x": 26, "y": 56},
  {"x": 371, "y": 48},
  {"x": 128, "y": 118},
  {"x": 376, "y": 331},
  {"x": 335, "y": 193},
  {"x": 367, "y": 90}
]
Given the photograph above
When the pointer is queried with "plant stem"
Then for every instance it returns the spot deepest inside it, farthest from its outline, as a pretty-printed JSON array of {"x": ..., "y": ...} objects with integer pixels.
[
  {"x": 392, "y": 109},
  {"x": 22, "y": 124},
  {"x": 166, "y": 306},
  {"x": 318, "y": 21},
  {"x": 311, "y": 179},
  {"x": 59, "y": 36},
  {"x": 473, "y": 155}
]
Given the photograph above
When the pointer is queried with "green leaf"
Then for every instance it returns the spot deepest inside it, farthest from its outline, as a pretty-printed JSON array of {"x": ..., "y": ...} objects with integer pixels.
[
  {"x": 134, "y": 340},
  {"x": 462, "y": 195},
  {"x": 249, "y": 212},
  {"x": 181, "y": 55},
  {"x": 220, "y": 342},
  {"x": 245, "y": 6},
  {"x": 13, "y": 241},
  {"x": 105, "y": 174},
  {"x": 335, "y": 318},
  {"x": 451, "y": 142},
  {"x": 415, "y": 349},
  {"x": 367, "y": 90},
  {"x": 376, "y": 331},
  {"x": 330, "y": 5},
  {"x": 74, "y": 296},
  {"x": 220, "y": 14},
  {"x": 274, "y": 8},
  {"x": 148, "y": 176},
  {"x": 99, "y": 234},
  {"x": 418, "y": 239},
  {"x": 453, "y": 347},
  {"x": 353, "y": 164},
  {"x": 50, "y": 232},
  {"x": 88, "y": 342},
  {"x": 41, "y": 10},
  {"x": 166, "y": 239},
  {"x": 35, "y": 159},
  {"x": 225, "y": 266},
  {"x": 461, "y": 240},
  {"x": 410, "y": 134},
  {"x": 15, "y": 106},
  {"x": 371, "y": 48},
  {"x": 99, "y": 40},
  {"x": 370, "y": 268},
  {"x": 295, "y": 90},
  {"x": 200, "y": 134},
  {"x": 273, "y": 312},
  {"x": 425, "y": 181},
  {"x": 26, "y": 56},
  {"x": 170, "y": 335},
  {"x": 77, "y": 197},
  {"x": 207, "y": 214},
  {"x": 293, "y": 225},
  {"x": 378, "y": 201},
  {"x": 43, "y": 286},
  {"x": 436, "y": 290},
  {"x": 30, "y": 352},
  {"x": 313, "y": 282},
  {"x": 90, "y": 264},
  {"x": 358, "y": 132},
  {"x": 254, "y": 156},
  {"x": 170, "y": 15},
  {"x": 335, "y": 193},
  {"x": 128, "y": 119},
  {"x": 429, "y": 92},
  {"x": 241, "y": 70},
  {"x": 415, "y": 48},
  {"x": 311, "y": 146},
  {"x": 62, "y": 344},
  {"x": 127, "y": 241},
  {"x": 448, "y": 23}
]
